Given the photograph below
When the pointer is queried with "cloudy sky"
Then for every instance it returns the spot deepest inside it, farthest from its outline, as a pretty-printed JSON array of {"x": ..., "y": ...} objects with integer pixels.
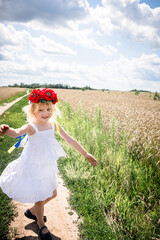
[{"x": 105, "y": 44}]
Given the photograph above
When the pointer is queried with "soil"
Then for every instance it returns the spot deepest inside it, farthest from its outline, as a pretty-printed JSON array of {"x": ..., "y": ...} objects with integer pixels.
[{"x": 62, "y": 221}]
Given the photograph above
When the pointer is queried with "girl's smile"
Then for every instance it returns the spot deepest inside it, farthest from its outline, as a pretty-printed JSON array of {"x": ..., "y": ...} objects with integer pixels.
[{"x": 43, "y": 113}]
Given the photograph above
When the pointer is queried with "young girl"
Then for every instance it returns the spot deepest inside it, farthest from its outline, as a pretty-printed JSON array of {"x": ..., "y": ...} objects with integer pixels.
[{"x": 32, "y": 177}]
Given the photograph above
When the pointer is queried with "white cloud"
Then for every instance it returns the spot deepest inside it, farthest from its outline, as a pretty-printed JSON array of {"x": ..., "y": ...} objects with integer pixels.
[
  {"x": 49, "y": 46},
  {"x": 83, "y": 37},
  {"x": 120, "y": 74},
  {"x": 136, "y": 20},
  {"x": 77, "y": 45},
  {"x": 48, "y": 11},
  {"x": 12, "y": 39},
  {"x": 7, "y": 35},
  {"x": 101, "y": 17}
]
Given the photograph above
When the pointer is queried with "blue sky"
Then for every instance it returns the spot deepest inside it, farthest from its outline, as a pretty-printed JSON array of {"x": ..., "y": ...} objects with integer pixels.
[{"x": 106, "y": 44}]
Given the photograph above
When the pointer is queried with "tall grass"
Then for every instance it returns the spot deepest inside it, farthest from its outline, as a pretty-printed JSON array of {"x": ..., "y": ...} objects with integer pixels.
[
  {"x": 118, "y": 199},
  {"x": 15, "y": 118}
]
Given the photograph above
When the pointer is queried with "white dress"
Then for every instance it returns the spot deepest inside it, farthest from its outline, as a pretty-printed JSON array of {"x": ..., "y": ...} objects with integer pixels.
[{"x": 32, "y": 177}]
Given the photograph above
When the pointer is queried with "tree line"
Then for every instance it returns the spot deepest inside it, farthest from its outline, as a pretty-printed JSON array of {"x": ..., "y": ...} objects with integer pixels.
[{"x": 38, "y": 85}]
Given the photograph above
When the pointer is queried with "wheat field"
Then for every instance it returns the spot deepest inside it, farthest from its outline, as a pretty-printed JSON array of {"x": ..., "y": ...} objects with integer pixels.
[{"x": 137, "y": 115}]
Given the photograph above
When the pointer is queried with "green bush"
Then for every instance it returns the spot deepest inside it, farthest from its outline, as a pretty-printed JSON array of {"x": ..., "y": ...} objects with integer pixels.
[
  {"x": 156, "y": 96},
  {"x": 137, "y": 92}
]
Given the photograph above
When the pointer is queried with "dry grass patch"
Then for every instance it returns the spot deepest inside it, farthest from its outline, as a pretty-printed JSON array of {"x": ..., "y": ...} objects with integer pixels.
[{"x": 7, "y": 92}]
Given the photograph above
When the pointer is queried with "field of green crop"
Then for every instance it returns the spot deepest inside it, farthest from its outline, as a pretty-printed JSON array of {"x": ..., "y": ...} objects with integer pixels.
[{"x": 118, "y": 199}]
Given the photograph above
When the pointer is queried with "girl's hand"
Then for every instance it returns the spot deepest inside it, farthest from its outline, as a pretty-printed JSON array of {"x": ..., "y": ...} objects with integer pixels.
[
  {"x": 91, "y": 159},
  {"x": 3, "y": 129}
]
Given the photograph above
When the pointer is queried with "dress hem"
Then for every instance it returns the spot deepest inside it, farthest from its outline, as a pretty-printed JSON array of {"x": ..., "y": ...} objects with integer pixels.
[{"x": 41, "y": 199}]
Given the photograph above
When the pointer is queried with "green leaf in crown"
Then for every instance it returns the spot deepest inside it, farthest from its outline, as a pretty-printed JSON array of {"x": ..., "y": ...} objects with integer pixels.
[
  {"x": 43, "y": 100},
  {"x": 49, "y": 94}
]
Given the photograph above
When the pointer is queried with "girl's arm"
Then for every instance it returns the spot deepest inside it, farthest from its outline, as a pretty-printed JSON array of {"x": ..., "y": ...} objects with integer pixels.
[
  {"x": 11, "y": 132},
  {"x": 71, "y": 141}
]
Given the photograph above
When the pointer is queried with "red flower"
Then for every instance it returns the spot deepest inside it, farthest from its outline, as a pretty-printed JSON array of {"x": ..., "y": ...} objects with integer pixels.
[
  {"x": 49, "y": 95},
  {"x": 43, "y": 96},
  {"x": 35, "y": 96}
]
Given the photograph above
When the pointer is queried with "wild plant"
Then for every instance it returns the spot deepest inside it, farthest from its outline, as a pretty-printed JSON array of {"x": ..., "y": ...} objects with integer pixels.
[{"x": 120, "y": 198}]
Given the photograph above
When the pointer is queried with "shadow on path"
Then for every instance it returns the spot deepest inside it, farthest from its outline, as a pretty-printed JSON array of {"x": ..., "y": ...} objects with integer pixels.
[{"x": 33, "y": 227}]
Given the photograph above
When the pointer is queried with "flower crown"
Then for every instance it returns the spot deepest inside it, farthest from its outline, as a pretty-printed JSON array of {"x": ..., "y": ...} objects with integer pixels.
[{"x": 45, "y": 95}]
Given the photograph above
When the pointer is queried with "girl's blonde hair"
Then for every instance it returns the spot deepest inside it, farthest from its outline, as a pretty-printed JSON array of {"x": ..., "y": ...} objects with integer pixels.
[{"x": 32, "y": 108}]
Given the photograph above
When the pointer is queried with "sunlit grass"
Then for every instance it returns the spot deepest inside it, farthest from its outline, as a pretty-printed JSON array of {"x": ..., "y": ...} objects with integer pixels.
[
  {"x": 119, "y": 199},
  {"x": 15, "y": 118}
]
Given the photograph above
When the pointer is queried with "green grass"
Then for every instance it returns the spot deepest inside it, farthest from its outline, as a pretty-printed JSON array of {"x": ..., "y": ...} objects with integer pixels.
[
  {"x": 8, "y": 100},
  {"x": 118, "y": 199},
  {"x": 15, "y": 118}
]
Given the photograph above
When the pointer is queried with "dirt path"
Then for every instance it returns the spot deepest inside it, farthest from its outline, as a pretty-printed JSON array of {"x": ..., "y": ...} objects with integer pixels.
[
  {"x": 8, "y": 105},
  {"x": 62, "y": 221}
]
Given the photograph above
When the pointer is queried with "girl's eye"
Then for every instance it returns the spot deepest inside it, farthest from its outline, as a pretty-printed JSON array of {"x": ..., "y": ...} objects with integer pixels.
[
  {"x": 40, "y": 110},
  {"x": 48, "y": 109}
]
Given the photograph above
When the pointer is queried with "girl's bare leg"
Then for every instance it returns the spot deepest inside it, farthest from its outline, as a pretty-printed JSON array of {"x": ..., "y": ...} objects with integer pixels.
[
  {"x": 39, "y": 212},
  {"x": 32, "y": 209},
  {"x": 50, "y": 198}
]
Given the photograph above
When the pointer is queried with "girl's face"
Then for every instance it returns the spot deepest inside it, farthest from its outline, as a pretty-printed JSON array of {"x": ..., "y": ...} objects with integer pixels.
[{"x": 43, "y": 112}]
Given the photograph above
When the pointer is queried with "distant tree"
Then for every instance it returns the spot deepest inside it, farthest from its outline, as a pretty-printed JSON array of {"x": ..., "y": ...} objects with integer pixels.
[{"x": 38, "y": 85}]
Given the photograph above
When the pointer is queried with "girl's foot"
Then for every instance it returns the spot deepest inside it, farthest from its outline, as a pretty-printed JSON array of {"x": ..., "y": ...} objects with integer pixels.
[
  {"x": 44, "y": 233},
  {"x": 28, "y": 214}
]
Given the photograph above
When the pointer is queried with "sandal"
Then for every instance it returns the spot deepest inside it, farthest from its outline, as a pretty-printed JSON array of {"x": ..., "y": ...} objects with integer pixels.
[
  {"x": 28, "y": 214},
  {"x": 44, "y": 236}
]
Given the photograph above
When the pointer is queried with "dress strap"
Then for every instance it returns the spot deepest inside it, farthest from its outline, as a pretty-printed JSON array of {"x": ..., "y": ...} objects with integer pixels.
[
  {"x": 56, "y": 127},
  {"x": 52, "y": 125},
  {"x": 35, "y": 127}
]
